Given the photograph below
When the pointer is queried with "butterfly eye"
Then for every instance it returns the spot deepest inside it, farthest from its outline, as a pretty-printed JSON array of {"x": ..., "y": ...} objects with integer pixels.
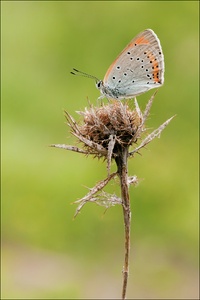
[{"x": 99, "y": 83}]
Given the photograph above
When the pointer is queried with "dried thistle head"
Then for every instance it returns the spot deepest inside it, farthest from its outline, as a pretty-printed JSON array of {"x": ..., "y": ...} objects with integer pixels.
[
  {"x": 113, "y": 119},
  {"x": 109, "y": 126},
  {"x": 106, "y": 130}
]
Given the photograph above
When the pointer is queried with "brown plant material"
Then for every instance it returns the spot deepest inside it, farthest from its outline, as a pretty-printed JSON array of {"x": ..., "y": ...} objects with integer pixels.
[{"x": 109, "y": 131}]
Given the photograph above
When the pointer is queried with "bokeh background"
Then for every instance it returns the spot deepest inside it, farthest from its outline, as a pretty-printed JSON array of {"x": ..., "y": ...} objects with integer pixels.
[{"x": 45, "y": 253}]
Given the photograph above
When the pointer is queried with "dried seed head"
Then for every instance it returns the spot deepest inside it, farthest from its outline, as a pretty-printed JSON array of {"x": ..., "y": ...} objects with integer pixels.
[{"x": 113, "y": 120}]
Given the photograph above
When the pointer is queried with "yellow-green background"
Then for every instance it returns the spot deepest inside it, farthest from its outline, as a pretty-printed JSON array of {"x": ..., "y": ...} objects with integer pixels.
[{"x": 47, "y": 255}]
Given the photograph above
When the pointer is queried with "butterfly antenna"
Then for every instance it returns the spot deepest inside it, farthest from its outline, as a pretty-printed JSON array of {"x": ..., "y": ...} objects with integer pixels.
[{"x": 80, "y": 73}]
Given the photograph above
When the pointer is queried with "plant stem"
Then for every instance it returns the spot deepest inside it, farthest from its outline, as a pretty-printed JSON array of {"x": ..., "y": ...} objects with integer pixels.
[{"x": 122, "y": 165}]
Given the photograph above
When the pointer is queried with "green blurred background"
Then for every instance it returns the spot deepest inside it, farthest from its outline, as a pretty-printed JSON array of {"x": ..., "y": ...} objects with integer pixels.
[{"x": 45, "y": 254}]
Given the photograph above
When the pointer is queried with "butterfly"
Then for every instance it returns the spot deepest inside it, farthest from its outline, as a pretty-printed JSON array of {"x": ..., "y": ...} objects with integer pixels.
[{"x": 137, "y": 69}]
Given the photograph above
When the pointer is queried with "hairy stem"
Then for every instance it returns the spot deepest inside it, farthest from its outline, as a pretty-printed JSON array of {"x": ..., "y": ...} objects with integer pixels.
[{"x": 122, "y": 165}]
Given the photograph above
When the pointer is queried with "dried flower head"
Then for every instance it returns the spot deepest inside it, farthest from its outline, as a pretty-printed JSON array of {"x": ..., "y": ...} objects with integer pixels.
[{"x": 113, "y": 120}]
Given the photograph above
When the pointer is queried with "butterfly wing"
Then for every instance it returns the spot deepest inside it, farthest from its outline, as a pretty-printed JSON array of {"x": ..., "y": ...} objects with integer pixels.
[{"x": 138, "y": 68}]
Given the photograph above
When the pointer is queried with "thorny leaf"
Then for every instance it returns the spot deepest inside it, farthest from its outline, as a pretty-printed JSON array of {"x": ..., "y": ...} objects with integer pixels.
[
  {"x": 138, "y": 110},
  {"x": 111, "y": 145},
  {"x": 99, "y": 186},
  {"x": 151, "y": 136},
  {"x": 71, "y": 148},
  {"x": 100, "y": 149},
  {"x": 105, "y": 199},
  {"x": 144, "y": 115}
]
